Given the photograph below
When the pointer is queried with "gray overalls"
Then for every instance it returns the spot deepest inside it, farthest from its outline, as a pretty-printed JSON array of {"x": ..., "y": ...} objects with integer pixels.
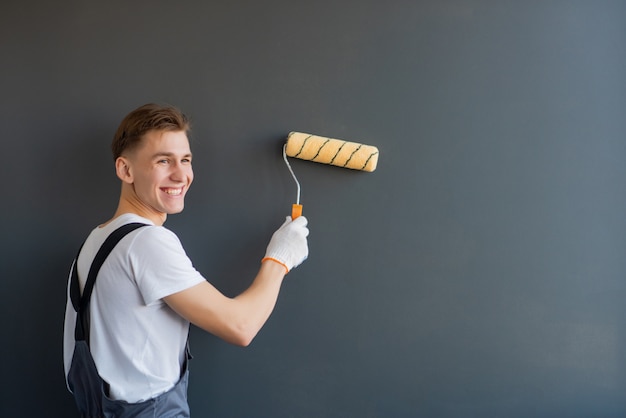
[{"x": 89, "y": 390}]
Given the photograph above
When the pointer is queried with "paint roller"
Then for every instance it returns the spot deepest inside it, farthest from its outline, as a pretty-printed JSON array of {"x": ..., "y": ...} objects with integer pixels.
[{"x": 331, "y": 151}]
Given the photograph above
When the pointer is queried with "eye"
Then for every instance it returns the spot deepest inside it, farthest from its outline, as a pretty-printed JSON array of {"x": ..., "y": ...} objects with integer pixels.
[
  {"x": 163, "y": 161},
  {"x": 186, "y": 160}
]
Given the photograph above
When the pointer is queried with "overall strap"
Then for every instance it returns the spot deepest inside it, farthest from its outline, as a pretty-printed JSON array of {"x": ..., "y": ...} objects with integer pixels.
[{"x": 81, "y": 303}]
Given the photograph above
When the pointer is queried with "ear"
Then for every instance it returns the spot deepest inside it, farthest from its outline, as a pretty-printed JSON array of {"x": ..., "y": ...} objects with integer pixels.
[{"x": 123, "y": 170}]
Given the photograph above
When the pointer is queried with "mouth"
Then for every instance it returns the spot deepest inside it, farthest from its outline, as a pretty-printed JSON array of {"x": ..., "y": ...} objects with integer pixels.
[{"x": 173, "y": 191}]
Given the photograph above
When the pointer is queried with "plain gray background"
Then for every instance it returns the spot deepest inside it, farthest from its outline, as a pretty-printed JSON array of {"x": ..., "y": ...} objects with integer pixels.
[{"x": 479, "y": 272}]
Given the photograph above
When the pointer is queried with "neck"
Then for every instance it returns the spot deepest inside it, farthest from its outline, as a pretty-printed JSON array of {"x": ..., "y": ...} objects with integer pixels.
[
  {"x": 128, "y": 203},
  {"x": 127, "y": 207}
]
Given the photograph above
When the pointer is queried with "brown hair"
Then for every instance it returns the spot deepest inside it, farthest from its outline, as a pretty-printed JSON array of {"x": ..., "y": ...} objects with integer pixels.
[{"x": 146, "y": 118}]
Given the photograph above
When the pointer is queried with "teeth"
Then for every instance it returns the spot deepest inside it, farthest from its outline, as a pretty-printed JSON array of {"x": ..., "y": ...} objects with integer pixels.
[{"x": 173, "y": 191}]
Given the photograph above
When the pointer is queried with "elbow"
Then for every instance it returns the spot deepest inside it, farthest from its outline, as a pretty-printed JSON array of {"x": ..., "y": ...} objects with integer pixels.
[
  {"x": 242, "y": 335},
  {"x": 234, "y": 336},
  {"x": 242, "y": 342}
]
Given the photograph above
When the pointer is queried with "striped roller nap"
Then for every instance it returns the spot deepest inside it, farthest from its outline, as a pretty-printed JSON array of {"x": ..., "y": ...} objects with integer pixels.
[{"x": 332, "y": 151}]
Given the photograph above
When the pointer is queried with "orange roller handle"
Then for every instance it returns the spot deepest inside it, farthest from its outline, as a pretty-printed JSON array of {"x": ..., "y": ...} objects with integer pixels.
[{"x": 296, "y": 211}]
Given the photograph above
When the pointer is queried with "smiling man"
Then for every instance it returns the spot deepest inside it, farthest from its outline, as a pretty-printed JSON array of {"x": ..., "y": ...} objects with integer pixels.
[
  {"x": 156, "y": 174},
  {"x": 147, "y": 291}
]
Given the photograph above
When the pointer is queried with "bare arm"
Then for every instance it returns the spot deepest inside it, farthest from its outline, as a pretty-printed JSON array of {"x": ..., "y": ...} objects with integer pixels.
[
  {"x": 238, "y": 320},
  {"x": 235, "y": 320}
]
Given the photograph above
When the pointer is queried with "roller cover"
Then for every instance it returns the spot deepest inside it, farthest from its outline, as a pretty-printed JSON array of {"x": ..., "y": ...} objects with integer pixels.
[{"x": 332, "y": 151}]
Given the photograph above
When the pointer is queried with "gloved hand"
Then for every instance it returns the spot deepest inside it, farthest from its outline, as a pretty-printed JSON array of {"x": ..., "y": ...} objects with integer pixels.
[{"x": 288, "y": 245}]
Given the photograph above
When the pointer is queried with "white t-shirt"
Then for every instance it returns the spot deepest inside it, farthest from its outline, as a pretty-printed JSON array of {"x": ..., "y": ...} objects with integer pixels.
[{"x": 137, "y": 341}]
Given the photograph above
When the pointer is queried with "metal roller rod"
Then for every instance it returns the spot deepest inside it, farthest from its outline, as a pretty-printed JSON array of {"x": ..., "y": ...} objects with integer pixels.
[{"x": 292, "y": 173}]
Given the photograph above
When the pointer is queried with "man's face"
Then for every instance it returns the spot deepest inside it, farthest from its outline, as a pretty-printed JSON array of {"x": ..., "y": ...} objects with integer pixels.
[{"x": 161, "y": 172}]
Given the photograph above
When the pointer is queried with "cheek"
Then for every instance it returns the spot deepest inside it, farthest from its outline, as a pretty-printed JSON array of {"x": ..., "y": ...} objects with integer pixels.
[
  {"x": 190, "y": 175},
  {"x": 149, "y": 180}
]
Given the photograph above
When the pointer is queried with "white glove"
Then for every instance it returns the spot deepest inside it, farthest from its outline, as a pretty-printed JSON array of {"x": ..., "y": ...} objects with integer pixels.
[{"x": 288, "y": 245}]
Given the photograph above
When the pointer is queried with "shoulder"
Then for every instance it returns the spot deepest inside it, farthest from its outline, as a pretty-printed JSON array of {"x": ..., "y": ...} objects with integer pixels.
[
  {"x": 155, "y": 232},
  {"x": 147, "y": 234},
  {"x": 154, "y": 242}
]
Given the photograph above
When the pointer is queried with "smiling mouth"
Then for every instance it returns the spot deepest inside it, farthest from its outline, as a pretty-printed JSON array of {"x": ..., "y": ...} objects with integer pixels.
[{"x": 173, "y": 192}]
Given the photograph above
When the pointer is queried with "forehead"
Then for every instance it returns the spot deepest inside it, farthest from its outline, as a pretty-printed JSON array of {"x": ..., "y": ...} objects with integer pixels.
[{"x": 164, "y": 142}]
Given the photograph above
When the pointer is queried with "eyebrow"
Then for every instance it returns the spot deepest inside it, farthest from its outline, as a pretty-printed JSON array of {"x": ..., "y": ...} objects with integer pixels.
[{"x": 168, "y": 154}]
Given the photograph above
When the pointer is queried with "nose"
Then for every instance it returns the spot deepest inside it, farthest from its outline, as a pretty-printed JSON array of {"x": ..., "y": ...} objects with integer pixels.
[{"x": 182, "y": 172}]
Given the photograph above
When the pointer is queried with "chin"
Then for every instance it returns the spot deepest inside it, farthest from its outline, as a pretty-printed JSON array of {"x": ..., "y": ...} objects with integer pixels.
[{"x": 175, "y": 211}]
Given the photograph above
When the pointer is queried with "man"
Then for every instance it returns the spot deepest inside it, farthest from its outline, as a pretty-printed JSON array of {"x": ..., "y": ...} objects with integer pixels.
[{"x": 147, "y": 291}]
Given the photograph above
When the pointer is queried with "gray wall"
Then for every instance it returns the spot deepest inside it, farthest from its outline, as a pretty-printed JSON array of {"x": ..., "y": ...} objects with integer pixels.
[{"x": 480, "y": 271}]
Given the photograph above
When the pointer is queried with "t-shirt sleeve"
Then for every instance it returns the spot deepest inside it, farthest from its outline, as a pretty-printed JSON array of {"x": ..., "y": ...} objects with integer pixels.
[{"x": 160, "y": 265}]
